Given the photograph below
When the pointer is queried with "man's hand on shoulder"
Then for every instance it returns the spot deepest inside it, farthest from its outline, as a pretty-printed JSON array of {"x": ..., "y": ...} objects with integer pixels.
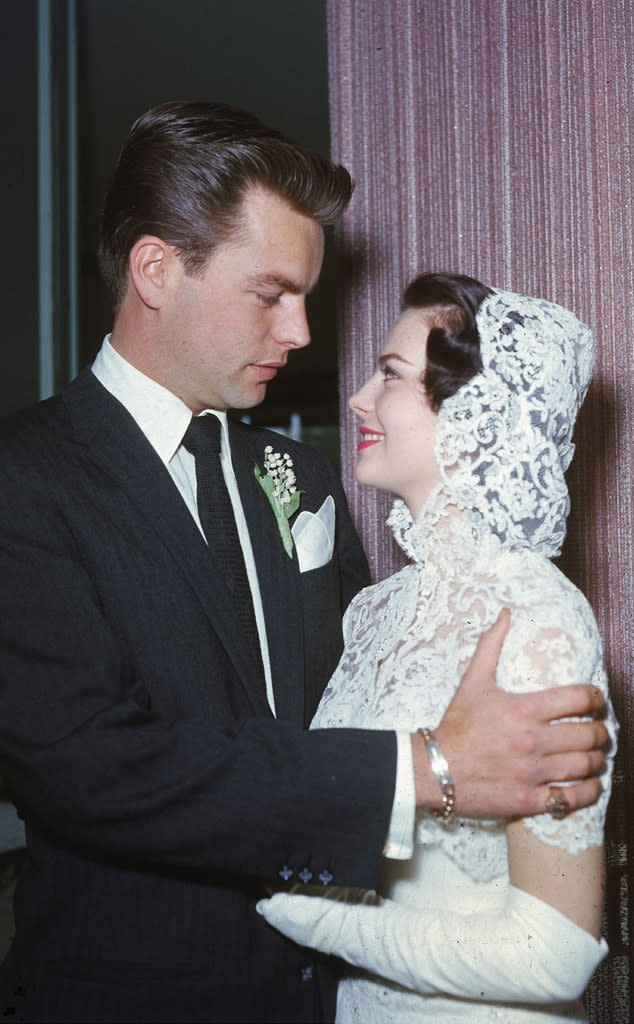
[{"x": 504, "y": 749}]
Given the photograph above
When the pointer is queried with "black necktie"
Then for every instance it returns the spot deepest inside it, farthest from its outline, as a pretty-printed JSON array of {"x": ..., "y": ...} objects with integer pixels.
[{"x": 202, "y": 439}]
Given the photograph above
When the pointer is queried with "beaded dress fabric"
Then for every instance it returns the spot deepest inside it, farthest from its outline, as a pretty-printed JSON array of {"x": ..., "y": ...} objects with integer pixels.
[{"x": 482, "y": 541}]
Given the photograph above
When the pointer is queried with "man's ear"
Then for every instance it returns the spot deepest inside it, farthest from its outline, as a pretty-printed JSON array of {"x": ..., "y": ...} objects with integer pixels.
[{"x": 151, "y": 262}]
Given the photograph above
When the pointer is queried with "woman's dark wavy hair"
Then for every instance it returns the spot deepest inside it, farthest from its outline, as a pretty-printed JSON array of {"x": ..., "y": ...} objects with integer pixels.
[
  {"x": 453, "y": 344},
  {"x": 182, "y": 174}
]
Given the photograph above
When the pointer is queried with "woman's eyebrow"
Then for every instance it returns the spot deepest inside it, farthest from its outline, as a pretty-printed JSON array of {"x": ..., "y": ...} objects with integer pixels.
[{"x": 382, "y": 360}]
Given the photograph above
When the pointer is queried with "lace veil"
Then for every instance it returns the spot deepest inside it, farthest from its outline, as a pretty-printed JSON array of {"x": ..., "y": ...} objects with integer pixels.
[{"x": 503, "y": 440}]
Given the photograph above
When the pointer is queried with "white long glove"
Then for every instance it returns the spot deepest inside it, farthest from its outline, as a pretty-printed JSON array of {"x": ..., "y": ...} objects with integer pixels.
[{"x": 527, "y": 953}]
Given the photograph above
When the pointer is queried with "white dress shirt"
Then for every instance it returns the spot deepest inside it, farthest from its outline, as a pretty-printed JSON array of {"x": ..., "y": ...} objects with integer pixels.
[{"x": 164, "y": 418}]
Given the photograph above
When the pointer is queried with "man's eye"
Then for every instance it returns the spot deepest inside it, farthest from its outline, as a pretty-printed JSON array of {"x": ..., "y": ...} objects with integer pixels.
[{"x": 268, "y": 299}]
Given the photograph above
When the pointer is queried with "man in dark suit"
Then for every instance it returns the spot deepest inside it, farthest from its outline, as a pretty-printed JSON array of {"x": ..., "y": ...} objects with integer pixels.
[{"x": 152, "y": 708}]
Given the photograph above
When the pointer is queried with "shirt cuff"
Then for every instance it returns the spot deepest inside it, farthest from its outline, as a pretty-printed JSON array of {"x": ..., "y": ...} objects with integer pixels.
[{"x": 399, "y": 844}]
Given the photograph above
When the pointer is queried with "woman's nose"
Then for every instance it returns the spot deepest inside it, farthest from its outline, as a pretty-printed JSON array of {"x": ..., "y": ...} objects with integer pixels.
[{"x": 362, "y": 400}]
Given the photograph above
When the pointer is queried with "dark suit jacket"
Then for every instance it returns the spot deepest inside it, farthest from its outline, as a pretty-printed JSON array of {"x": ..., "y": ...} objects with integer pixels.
[{"x": 155, "y": 784}]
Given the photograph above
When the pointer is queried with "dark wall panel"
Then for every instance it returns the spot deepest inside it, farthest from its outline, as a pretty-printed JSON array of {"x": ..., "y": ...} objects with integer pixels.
[{"x": 18, "y": 276}]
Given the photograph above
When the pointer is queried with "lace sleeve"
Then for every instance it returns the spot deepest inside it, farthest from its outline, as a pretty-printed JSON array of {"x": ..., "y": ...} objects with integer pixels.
[{"x": 553, "y": 643}]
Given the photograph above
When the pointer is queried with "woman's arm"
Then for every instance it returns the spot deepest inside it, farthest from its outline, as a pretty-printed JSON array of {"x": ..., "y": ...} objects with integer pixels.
[
  {"x": 571, "y": 883},
  {"x": 526, "y": 953},
  {"x": 559, "y": 862}
]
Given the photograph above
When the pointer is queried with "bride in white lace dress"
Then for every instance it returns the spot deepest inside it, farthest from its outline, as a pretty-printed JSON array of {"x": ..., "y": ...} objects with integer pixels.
[{"x": 468, "y": 420}]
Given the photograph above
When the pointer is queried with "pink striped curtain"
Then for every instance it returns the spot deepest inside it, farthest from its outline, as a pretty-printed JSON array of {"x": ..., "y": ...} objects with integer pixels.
[{"x": 494, "y": 137}]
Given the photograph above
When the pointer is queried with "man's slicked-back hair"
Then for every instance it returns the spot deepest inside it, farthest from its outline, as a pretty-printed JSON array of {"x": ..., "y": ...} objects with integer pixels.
[{"x": 183, "y": 172}]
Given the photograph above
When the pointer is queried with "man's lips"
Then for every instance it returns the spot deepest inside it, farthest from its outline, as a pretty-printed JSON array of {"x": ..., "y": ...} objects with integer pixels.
[
  {"x": 370, "y": 438},
  {"x": 266, "y": 371}
]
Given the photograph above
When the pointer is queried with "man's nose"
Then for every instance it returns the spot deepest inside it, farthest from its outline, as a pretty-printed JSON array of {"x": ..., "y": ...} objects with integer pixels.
[{"x": 291, "y": 328}]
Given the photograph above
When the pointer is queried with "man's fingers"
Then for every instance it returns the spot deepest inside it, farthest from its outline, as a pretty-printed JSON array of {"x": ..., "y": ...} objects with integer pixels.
[
  {"x": 535, "y": 799},
  {"x": 484, "y": 661},
  {"x": 570, "y": 701},
  {"x": 582, "y": 794},
  {"x": 570, "y": 767},
  {"x": 572, "y": 736}
]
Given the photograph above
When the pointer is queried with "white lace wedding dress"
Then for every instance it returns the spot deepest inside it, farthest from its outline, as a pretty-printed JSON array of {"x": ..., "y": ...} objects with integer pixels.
[
  {"x": 407, "y": 642},
  {"x": 482, "y": 542}
]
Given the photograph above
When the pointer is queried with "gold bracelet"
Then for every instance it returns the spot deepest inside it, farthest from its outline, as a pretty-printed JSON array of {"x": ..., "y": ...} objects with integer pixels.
[{"x": 440, "y": 768}]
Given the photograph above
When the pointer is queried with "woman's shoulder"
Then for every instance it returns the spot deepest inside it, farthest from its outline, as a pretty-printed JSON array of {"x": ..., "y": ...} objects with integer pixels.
[
  {"x": 537, "y": 590},
  {"x": 554, "y": 638}
]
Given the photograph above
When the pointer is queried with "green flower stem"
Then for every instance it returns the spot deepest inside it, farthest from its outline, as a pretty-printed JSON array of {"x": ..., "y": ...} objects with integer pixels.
[{"x": 281, "y": 511}]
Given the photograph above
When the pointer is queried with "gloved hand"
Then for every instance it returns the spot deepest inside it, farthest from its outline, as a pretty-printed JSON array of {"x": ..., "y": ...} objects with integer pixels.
[{"x": 527, "y": 953}]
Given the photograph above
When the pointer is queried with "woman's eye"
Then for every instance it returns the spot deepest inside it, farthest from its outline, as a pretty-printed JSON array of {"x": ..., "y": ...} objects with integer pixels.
[{"x": 389, "y": 373}]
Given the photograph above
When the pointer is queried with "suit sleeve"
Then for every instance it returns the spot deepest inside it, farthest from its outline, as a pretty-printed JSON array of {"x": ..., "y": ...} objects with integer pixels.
[{"x": 91, "y": 765}]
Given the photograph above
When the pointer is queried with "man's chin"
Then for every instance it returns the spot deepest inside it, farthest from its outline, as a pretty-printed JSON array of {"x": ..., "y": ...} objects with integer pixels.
[{"x": 248, "y": 401}]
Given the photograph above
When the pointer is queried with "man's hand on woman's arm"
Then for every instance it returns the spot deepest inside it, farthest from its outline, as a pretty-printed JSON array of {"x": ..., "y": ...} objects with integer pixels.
[{"x": 504, "y": 749}]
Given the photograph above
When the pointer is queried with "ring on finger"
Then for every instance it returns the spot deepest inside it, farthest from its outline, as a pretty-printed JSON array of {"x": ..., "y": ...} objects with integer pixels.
[{"x": 557, "y": 805}]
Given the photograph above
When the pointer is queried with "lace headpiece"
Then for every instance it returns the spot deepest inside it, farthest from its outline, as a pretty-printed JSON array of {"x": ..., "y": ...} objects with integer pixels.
[{"x": 504, "y": 440}]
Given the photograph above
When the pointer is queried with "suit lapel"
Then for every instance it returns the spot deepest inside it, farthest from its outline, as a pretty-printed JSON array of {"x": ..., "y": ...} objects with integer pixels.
[
  {"x": 278, "y": 576},
  {"x": 116, "y": 444}
]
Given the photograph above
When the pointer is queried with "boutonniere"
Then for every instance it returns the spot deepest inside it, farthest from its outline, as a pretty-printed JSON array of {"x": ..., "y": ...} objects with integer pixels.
[{"x": 278, "y": 483}]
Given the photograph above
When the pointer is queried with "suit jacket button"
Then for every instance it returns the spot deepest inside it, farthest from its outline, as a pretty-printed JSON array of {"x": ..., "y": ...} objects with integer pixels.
[
  {"x": 306, "y": 973},
  {"x": 326, "y": 878},
  {"x": 286, "y": 873},
  {"x": 305, "y": 875}
]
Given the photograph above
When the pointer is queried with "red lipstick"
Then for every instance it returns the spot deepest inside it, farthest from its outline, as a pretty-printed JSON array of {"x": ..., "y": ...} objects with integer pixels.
[{"x": 370, "y": 438}]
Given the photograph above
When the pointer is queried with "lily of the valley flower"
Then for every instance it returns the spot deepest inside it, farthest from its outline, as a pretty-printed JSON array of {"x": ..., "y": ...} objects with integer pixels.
[{"x": 278, "y": 483}]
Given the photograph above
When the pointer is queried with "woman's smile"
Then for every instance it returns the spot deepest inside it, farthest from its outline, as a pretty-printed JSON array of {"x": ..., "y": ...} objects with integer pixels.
[{"x": 370, "y": 437}]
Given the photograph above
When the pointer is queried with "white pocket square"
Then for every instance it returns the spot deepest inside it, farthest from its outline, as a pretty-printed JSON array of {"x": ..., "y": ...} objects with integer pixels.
[{"x": 314, "y": 536}]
